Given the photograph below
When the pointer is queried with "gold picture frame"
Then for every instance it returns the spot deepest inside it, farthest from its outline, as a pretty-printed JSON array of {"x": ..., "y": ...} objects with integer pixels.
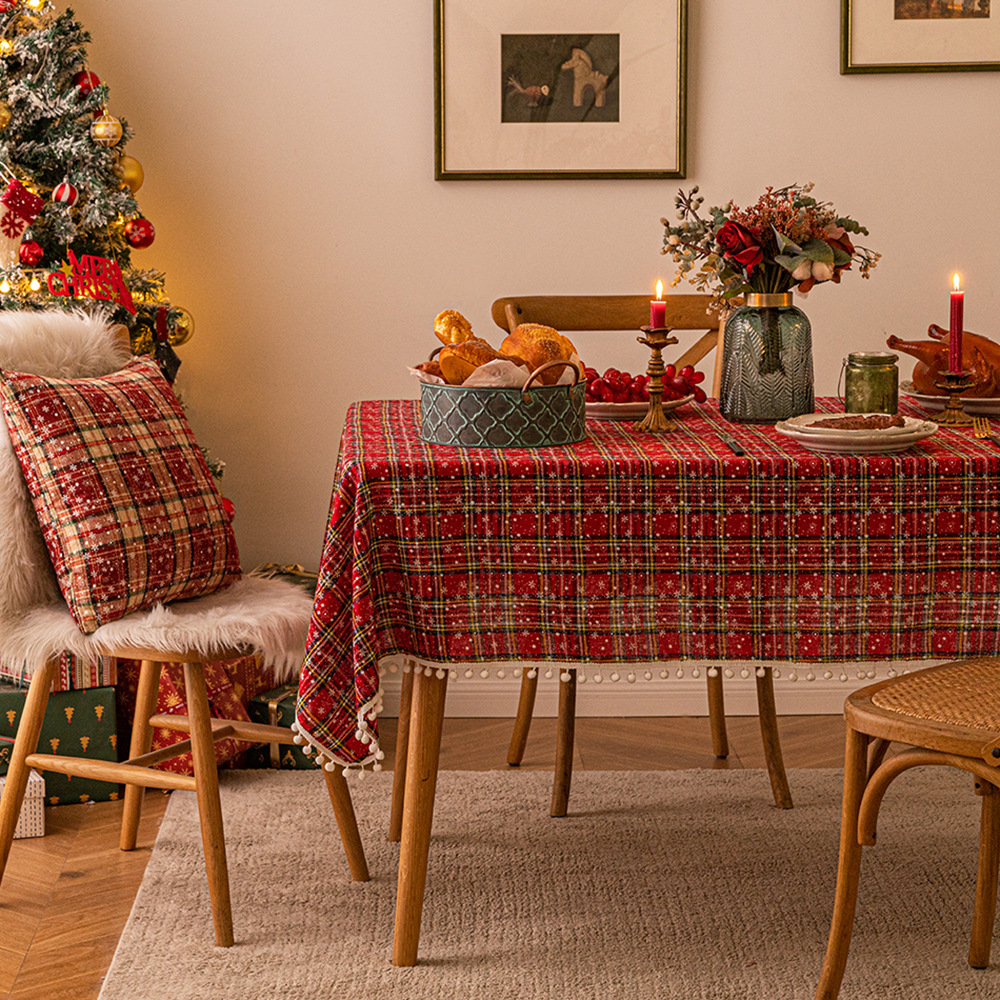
[
  {"x": 521, "y": 93},
  {"x": 919, "y": 36}
]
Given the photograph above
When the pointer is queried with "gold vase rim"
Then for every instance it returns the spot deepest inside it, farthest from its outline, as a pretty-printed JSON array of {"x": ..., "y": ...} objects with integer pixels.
[{"x": 760, "y": 299}]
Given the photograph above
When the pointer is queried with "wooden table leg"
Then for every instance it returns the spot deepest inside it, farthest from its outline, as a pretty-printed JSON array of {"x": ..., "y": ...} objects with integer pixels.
[
  {"x": 717, "y": 714},
  {"x": 565, "y": 733},
  {"x": 522, "y": 722},
  {"x": 402, "y": 748},
  {"x": 347, "y": 822},
  {"x": 426, "y": 719},
  {"x": 772, "y": 744},
  {"x": 848, "y": 867}
]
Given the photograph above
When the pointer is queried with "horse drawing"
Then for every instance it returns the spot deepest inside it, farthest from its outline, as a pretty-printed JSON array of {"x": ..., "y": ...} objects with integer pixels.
[{"x": 584, "y": 75}]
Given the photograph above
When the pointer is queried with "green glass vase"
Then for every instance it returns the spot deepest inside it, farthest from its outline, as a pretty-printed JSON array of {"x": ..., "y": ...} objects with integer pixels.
[{"x": 767, "y": 368}]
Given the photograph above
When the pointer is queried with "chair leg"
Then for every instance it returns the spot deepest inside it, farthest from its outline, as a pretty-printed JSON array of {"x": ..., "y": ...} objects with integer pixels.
[
  {"x": 522, "y": 722},
  {"x": 26, "y": 743},
  {"x": 206, "y": 776},
  {"x": 848, "y": 867},
  {"x": 142, "y": 740},
  {"x": 565, "y": 732},
  {"x": 399, "y": 768},
  {"x": 421, "y": 782},
  {"x": 984, "y": 914},
  {"x": 347, "y": 823},
  {"x": 772, "y": 744},
  {"x": 717, "y": 714}
]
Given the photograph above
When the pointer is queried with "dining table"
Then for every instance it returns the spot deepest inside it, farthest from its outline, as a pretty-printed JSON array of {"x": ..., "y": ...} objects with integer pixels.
[{"x": 630, "y": 548}]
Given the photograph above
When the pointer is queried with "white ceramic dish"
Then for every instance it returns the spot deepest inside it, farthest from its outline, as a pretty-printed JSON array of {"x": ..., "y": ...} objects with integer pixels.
[
  {"x": 629, "y": 411},
  {"x": 806, "y": 424},
  {"x": 858, "y": 442},
  {"x": 986, "y": 405}
]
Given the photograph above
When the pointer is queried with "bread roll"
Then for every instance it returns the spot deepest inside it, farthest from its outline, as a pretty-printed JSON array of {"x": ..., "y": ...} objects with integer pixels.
[
  {"x": 432, "y": 367},
  {"x": 459, "y": 361},
  {"x": 533, "y": 344},
  {"x": 451, "y": 327}
]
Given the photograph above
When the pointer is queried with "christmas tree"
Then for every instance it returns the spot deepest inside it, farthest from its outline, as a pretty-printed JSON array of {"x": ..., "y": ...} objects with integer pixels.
[{"x": 69, "y": 219}]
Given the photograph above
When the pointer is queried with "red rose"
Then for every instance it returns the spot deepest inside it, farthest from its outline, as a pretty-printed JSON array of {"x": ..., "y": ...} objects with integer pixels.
[{"x": 740, "y": 244}]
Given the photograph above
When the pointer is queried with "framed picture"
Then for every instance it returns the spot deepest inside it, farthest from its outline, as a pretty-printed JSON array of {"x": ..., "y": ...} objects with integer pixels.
[
  {"x": 540, "y": 90},
  {"x": 908, "y": 36}
]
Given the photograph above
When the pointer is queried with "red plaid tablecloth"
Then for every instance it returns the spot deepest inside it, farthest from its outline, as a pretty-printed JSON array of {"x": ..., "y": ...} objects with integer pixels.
[{"x": 633, "y": 548}]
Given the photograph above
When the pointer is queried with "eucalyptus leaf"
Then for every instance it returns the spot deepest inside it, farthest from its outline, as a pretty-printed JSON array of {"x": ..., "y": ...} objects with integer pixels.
[
  {"x": 791, "y": 263},
  {"x": 784, "y": 243},
  {"x": 818, "y": 250}
]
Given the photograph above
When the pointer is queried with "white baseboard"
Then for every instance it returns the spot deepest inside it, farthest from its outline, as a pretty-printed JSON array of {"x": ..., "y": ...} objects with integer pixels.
[{"x": 494, "y": 697}]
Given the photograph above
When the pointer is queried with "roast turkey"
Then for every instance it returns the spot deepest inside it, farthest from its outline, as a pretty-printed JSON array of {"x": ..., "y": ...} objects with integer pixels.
[{"x": 980, "y": 356}]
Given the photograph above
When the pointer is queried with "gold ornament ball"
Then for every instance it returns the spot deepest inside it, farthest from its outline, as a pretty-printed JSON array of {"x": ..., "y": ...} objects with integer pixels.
[
  {"x": 106, "y": 130},
  {"x": 129, "y": 171},
  {"x": 183, "y": 327},
  {"x": 5, "y": 114}
]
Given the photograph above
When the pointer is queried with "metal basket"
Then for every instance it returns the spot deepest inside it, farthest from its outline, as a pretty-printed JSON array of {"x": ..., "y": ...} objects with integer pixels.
[{"x": 477, "y": 417}]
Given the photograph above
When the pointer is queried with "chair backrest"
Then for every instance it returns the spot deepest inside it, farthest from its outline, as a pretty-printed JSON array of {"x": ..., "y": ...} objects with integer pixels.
[
  {"x": 618, "y": 312},
  {"x": 59, "y": 345}
]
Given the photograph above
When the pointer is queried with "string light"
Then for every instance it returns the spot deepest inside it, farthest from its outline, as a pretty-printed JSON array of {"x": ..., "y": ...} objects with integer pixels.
[
  {"x": 4, "y": 287},
  {"x": 34, "y": 4},
  {"x": 34, "y": 284},
  {"x": 6, "y": 46}
]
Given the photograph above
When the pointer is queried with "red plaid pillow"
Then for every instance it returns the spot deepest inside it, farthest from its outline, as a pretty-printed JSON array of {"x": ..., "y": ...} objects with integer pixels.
[{"x": 127, "y": 505}]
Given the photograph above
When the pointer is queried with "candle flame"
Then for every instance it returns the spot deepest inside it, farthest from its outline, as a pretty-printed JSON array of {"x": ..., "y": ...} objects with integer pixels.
[
  {"x": 659, "y": 288},
  {"x": 954, "y": 282}
]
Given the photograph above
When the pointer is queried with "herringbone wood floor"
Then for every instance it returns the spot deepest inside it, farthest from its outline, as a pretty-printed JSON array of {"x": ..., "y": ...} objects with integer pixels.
[{"x": 66, "y": 896}]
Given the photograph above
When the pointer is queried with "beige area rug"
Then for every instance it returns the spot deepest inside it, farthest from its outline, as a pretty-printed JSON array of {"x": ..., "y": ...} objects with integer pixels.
[{"x": 684, "y": 884}]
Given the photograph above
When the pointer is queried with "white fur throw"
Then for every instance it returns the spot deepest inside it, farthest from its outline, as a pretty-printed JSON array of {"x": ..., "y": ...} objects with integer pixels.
[
  {"x": 265, "y": 616},
  {"x": 269, "y": 617}
]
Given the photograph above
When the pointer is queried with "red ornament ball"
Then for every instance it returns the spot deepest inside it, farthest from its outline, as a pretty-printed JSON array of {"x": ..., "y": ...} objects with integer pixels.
[
  {"x": 229, "y": 507},
  {"x": 85, "y": 82},
  {"x": 6, "y": 5},
  {"x": 31, "y": 254},
  {"x": 139, "y": 233},
  {"x": 65, "y": 194}
]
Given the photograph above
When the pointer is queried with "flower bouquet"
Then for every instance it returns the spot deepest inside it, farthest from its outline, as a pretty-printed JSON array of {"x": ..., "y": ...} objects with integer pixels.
[{"x": 786, "y": 240}]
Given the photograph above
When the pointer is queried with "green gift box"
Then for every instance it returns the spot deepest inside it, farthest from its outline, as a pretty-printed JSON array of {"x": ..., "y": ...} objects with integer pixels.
[
  {"x": 80, "y": 723},
  {"x": 277, "y": 708}
]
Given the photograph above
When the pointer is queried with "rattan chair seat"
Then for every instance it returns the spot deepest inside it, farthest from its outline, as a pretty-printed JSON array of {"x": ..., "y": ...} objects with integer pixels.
[{"x": 964, "y": 693}]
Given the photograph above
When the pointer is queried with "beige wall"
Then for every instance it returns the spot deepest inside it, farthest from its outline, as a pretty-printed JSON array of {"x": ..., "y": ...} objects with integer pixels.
[{"x": 288, "y": 150}]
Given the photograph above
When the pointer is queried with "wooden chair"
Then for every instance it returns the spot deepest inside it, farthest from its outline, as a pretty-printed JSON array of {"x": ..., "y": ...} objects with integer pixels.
[
  {"x": 949, "y": 715},
  {"x": 571, "y": 313},
  {"x": 264, "y": 616},
  {"x": 575, "y": 313}
]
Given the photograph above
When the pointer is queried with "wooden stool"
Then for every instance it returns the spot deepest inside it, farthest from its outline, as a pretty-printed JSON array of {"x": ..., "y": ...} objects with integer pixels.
[{"x": 138, "y": 772}]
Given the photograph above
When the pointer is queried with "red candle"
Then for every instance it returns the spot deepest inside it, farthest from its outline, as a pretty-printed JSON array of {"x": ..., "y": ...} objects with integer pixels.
[
  {"x": 658, "y": 308},
  {"x": 955, "y": 331}
]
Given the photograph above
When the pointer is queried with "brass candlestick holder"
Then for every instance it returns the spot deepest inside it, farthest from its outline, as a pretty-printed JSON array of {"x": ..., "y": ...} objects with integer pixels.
[
  {"x": 655, "y": 420},
  {"x": 955, "y": 384}
]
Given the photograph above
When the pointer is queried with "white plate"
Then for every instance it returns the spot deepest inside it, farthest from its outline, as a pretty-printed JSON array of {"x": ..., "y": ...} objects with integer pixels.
[
  {"x": 629, "y": 411},
  {"x": 970, "y": 404},
  {"x": 864, "y": 443},
  {"x": 805, "y": 424}
]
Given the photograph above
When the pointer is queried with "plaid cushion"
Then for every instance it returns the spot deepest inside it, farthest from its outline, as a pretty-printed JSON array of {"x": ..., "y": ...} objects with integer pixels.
[{"x": 127, "y": 505}]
